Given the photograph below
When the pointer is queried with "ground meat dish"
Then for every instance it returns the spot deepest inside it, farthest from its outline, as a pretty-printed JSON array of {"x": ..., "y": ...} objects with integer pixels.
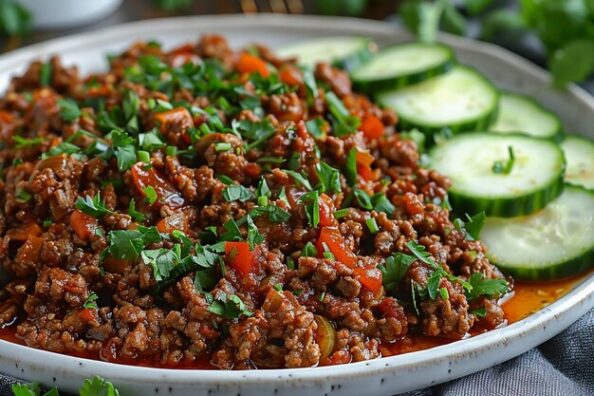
[{"x": 228, "y": 206}]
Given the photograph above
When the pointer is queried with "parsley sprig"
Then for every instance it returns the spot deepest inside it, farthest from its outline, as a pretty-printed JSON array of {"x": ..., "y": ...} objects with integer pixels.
[{"x": 92, "y": 205}]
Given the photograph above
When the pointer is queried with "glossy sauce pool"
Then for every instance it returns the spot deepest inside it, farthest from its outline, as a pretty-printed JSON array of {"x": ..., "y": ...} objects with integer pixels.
[{"x": 528, "y": 298}]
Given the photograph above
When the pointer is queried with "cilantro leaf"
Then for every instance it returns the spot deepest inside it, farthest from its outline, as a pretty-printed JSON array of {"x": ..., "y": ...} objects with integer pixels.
[
  {"x": 25, "y": 389},
  {"x": 69, "y": 110},
  {"x": 382, "y": 204},
  {"x": 150, "y": 195},
  {"x": 481, "y": 286},
  {"x": 312, "y": 207},
  {"x": 363, "y": 199},
  {"x": 309, "y": 250},
  {"x": 344, "y": 123},
  {"x": 91, "y": 301},
  {"x": 350, "y": 171},
  {"x": 329, "y": 178},
  {"x": 274, "y": 213},
  {"x": 22, "y": 142},
  {"x": 419, "y": 252},
  {"x": 237, "y": 192},
  {"x": 93, "y": 206},
  {"x": 299, "y": 178},
  {"x": 316, "y": 127},
  {"x": 394, "y": 270},
  {"x": 97, "y": 386},
  {"x": 227, "y": 305},
  {"x": 128, "y": 244},
  {"x": 135, "y": 214},
  {"x": 475, "y": 224}
]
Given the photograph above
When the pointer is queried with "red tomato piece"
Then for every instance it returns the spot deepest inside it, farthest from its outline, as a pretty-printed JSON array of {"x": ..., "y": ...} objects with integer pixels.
[
  {"x": 177, "y": 221},
  {"x": 370, "y": 278},
  {"x": 87, "y": 314},
  {"x": 249, "y": 64},
  {"x": 83, "y": 224},
  {"x": 166, "y": 193},
  {"x": 239, "y": 257},
  {"x": 372, "y": 127},
  {"x": 30, "y": 250},
  {"x": 326, "y": 206},
  {"x": 364, "y": 160},
  {"x": 331, "y": 238},
  {"x": 290, "y": 75}
]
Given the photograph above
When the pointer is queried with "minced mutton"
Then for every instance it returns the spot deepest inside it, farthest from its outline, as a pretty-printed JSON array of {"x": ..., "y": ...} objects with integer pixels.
[{"x": 206, "y": 202}]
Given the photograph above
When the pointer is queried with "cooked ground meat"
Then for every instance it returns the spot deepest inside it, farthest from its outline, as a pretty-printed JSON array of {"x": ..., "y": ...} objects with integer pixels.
[{"x": 205, "y": 204}]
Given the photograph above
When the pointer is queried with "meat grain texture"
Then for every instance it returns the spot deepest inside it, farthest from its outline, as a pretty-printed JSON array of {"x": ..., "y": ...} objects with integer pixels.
[{"x": 288, "y": 308}]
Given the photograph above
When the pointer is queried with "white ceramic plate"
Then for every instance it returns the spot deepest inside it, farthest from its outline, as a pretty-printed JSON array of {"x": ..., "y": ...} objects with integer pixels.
[{"x": 385, "y": 376}]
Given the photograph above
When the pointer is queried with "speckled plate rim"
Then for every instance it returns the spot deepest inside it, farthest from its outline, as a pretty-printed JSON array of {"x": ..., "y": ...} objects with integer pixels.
[{"x": 443, "y": 362}]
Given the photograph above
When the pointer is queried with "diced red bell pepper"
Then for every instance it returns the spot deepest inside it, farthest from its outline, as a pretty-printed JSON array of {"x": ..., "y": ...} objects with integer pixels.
[
  {"x": 177, "y": 221},
  {"x": 249, "y": 64},
  {"x": 83, "y": 224},
  {"x": 372, "y": 127},
  {"x": 239, "y": 257},
  {"x": 166, "y": 193},
  {"x": 87, "y": 314},
  {"x": 326, "y": 206},
  {"x": 30, "y": 250},
  {"x": 331, "y": 238},
  {"x": 364, "y": 160},
  {"x": 290, "y": 75},
  {"x": 370, "y": 278}
]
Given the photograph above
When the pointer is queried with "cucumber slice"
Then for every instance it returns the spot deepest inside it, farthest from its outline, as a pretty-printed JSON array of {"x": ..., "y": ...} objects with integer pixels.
[
  {"x": 402, "y": 65},
  {"x": 579, "y": 155},
  {"x": 555, "y": 242},
  {"x": 535, "y": 179},
  {"x": 461, "y": 100},
  {"x": 518, "y": 113},
  {"x": 345, "y": 52}
]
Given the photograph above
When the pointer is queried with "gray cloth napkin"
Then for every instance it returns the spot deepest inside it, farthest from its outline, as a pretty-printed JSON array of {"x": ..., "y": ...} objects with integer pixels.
[{"x": 562, "y": 366}]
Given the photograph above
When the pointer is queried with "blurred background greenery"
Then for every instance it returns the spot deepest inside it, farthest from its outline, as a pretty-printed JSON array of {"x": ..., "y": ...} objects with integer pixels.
[{"x": 558, "y": 34}]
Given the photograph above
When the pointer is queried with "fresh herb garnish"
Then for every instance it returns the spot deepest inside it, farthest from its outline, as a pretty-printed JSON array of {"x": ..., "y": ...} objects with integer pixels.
[
  {"x": 350, "y": 171},
  {"x": 128, "y": 244},
  {"x": 312, "y": 208},
  {"x": 22, "y": 142},
  {"x": 505, "y": 167},
  {"x": 237, "y": 192},
  {"x": 23, "y": 196},
  {"x": 343, "y": 122},
  {"x": 382, "y": 204},
  {"x": 394, "y": 270},
  {"x": 481, "y": 286},
  {"x": 372, "y": 225},
  {"x": 363, "y": 199},
  {"x": 227, "y": 305},
  {"x": 91, "y": 301},
  {"x": 472, "y": 227},
  {"x": 299, "y": 178},
  {"x": 309, "y": 250},
  {"x": 135, "y": 214},
  {"x": 329, "y": 178},
  {"x": 92, "y": 205},
  {"x": 150, "y": 195},
  {"x": 69, "y": 110}
]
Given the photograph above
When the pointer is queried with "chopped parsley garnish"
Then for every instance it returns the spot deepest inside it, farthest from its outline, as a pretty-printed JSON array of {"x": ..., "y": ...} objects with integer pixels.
[
  {"x": 92, "y": 205},
  {"x": 135, "y": 214},
  {"x": 124, "y": 149},
  {"x": 316, "y": 127},
  {"x": 62, "y": 148},
  {"x": 505, "y": 166},
  {"x": 256, "y": 132},
  {"x": 343, "y": 122},
  {"x": 420, "y": 253},
  {"x": 312, "y": 208},
  {"x": 69, "y": 110},
  {"x": 274, "y": 213},
  {"x": 481, "y": 286},
  {"x": 150, "y": 195},
  {"x": 237, "y": 192},
  {"x": 91, "y": 301},
  {"x": 479, "y": 312},
  {"x": 227, "y": 305},
  {"x": 128, "y": 244},
  {"x": 329, "y": 178},
  {"x": 394, "y": 270},
  {"x": 150, "y": 141},
  {"x": 45, "y": 74},
  {"x": 22, "y": 142},
  {"x": 309, "y": 250},
  {"x": 23, "y": 196},
  {"x": 472, "y": 227},
  {"x": 382, "y": 204},
  {"x": 350, "y": 171},
  {"x": 299, "y": 178}
]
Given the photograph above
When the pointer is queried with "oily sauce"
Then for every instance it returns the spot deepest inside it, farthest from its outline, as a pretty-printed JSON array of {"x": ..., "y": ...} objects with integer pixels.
[{"x": 527, "y": 298}]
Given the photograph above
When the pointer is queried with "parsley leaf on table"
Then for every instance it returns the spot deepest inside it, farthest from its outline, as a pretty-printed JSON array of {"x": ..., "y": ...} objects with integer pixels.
[{"x": 97, "y": 386}]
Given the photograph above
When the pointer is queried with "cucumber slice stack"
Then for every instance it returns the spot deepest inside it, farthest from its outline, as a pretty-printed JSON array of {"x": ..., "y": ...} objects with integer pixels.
[
  {"x": 555, "y": 242},
  {"x": 519, "y": 113},
  {"x": 345, "y": 52},
  {"x": 461, "y": 100},
  {"x": 475, "y": 161},
  {"x": 402, "y": 65},
  {"x": 579, "y": 154}
]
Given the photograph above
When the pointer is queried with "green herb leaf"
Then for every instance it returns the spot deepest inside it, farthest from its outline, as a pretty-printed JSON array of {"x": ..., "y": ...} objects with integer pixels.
[
  {"x": 316, "y": 127},
  {"x": 22, "y": 142},
  {"x": 69, "y": 110},
  {"x": 309, "y": 250},
  {"x": 475, "y": 224},
  {"x": 45, "y": 74},
  {"x": 91, "y": 301},
  {"x": 237, "y": 192},
  {"x": 136, "y": 215},
  {"x": 274, "y": 213},
  {"x": 344, "y": 123},
  {"x": 97, "y": 386},
  {"x": 350, "y": 171},
  {"x": 15, "y": 20},
  {"x": 481, "y": 286},
  {"x": 228, "y": 305},
  {"x": 382, "y": 204},
  {"x": 394, "y": 270},
  {"x": 505, "y": 167},
  {"x": 480, "y": 312},
  {"x": 312, "y": 207},
  {"x": 92, "y": 205},
  {"x": 150, "y": 195},
  {"x": 23, "y": 196},
  {"x": 419, "y": 252},
  {"x": 363, "y": 199},
  {"x": 329, "y": 178},
  {"x": 299, "y": 178}
]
